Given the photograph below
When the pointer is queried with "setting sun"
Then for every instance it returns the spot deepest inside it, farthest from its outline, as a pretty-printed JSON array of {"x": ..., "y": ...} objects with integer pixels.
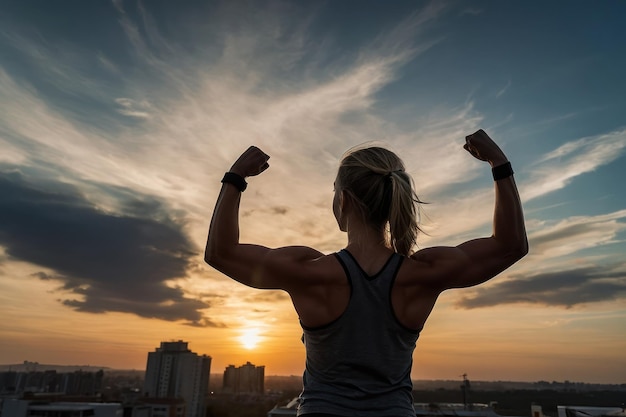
[{"x": 250, "y": 338}]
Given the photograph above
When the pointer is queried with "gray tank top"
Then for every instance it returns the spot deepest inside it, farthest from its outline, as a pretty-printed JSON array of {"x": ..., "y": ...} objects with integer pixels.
[{"x": 360, "y": 364}]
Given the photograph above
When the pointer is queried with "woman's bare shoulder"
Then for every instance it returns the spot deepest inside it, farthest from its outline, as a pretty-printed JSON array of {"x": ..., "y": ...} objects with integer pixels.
[
  {"x": 421, "y": 269},
  {"x": 324, "y": 266},
  {"x": 310, "y": 266}
]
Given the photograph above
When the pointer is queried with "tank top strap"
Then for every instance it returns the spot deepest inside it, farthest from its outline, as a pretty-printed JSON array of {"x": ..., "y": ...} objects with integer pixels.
[{"x": 353, "y": 269}]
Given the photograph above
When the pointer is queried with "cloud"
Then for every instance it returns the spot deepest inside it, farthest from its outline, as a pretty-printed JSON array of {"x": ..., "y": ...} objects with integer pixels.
[
  {"x": 576, "y": 233},
  {"x": 565, "y": 288},
  {"x": 471, "y": 11},
  {"x": 503, "y": 89},
  {"x": 59, "y": 70},
  {"x": 109, "y": 261},
  {"x": 133, "y": 108},
  {"x": 573, "y": 159}
]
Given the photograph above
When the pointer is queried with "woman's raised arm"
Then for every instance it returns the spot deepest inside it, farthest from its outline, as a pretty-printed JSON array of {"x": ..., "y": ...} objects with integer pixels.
[
  {"x": 253, "y": 265},
  {"x": 479, "y": 260}
]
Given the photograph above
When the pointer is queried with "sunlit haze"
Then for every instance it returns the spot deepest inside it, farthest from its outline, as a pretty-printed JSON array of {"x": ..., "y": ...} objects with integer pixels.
[{"x": 118, "y": 120}]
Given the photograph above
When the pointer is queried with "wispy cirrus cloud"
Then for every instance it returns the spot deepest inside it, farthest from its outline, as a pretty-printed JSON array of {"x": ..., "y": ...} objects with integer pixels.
[
  {"x": 573, "y": 159},
  {"x": 503, "y": 90},
  {"x": 132, "y": 108},
  {"x": 573, "y": 234}
]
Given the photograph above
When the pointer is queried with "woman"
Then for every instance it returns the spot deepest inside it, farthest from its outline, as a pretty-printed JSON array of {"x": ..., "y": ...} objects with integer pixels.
[{"x": 362, "y": 309}]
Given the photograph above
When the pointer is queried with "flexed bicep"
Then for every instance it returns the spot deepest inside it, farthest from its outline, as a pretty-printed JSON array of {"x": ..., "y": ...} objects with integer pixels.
[
  {"x": 264, "y": 268},
  {"x": 466, "y": 265},
  {"x": 478, "y": 261}
]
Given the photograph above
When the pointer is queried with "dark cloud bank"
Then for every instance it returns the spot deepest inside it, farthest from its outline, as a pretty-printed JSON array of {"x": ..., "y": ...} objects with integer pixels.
[
  {"x": 565, "y": 288},
  {"x": 112, "y": 261}
]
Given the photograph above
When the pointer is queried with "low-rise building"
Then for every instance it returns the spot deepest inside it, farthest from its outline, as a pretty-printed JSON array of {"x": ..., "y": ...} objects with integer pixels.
[
  {"x": 248, "y": 378},
  {"x": 29, "y": 408}
]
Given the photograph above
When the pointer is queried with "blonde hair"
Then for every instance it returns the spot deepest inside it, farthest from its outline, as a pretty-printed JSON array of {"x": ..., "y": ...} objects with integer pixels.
[{"x": 375, "y": 178}]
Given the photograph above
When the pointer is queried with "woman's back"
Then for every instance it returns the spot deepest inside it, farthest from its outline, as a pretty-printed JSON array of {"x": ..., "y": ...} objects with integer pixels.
[
  {"x": 362, "y": 360},
  {"x": 412, "y": 299}
]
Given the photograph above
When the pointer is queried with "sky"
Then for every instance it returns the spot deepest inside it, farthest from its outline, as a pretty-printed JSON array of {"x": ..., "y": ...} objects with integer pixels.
[{"x": 119, "y": 118}]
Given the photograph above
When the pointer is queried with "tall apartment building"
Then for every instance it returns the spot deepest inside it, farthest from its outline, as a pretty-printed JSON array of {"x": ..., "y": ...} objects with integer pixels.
[
  {"x": 247, "y": 378},
  {"x": 173, "y": 371}
]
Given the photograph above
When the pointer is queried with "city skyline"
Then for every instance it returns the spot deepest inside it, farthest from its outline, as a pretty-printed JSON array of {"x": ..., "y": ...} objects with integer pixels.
[{"x": 119, "y": 118}]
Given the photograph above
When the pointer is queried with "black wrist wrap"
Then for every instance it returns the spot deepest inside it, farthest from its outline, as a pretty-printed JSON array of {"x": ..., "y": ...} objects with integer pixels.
[
  {"x": 502, "y": 171},
  {"x": 236, "y": 180}
]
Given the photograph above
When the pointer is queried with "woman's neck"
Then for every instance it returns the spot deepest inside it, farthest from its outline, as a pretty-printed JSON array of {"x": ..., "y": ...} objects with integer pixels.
[
  {"x": 363, "y": 239},
  {"x": 368, "y": 248}
]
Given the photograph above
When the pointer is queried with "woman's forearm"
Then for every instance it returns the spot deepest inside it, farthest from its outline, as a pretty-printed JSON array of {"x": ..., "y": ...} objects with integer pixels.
[
  {"x": 224, "y": 229},
  {"x": 508, "y": 220}
]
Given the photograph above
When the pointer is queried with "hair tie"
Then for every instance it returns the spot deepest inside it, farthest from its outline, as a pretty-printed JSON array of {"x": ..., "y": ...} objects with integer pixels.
[{"x": 390, "y": 173}]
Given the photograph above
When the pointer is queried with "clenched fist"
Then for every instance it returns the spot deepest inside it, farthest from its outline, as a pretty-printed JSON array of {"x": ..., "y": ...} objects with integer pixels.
[
  {"x": 481, "y": 147},
  {"x": 252, "y": 162}
]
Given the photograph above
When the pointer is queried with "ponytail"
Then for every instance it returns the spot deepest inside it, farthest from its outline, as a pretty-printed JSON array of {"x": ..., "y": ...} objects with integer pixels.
[
  {"x": 402, "y": 219},
  {"x": 376, "y": 180}
]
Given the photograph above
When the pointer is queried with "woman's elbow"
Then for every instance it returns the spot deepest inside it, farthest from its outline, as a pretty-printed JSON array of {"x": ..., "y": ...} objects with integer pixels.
[
  {"x": 514, "y": 251},
  {"x": 212, "y": 257},
  {"x": 521, "y": 250},
  {"x": 525, "y": 248}
]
